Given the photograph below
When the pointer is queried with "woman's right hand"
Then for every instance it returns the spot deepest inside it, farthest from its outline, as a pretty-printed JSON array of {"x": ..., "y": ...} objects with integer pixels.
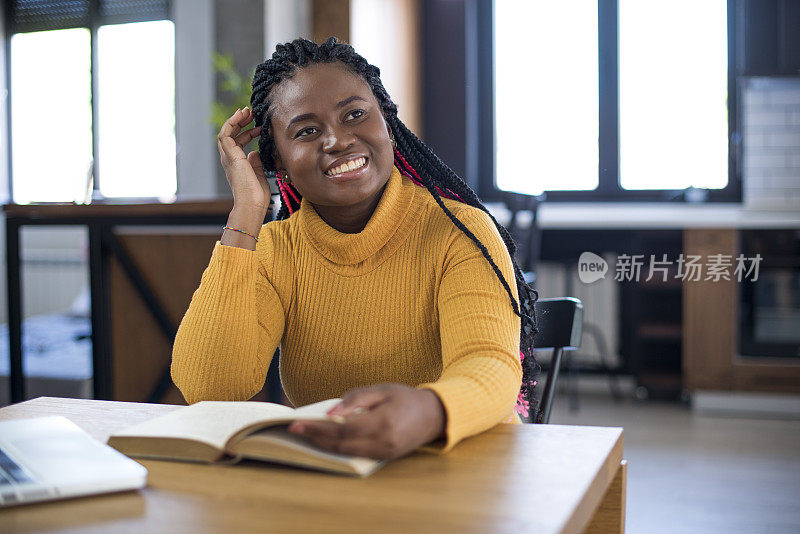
[
  {"x": 246, "y": 176},
  {"x": 244, "y": 172}
]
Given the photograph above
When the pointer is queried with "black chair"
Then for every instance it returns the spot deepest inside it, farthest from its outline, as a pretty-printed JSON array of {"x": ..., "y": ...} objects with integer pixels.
[
  {"x": 560, "y": 325},
  {"x": 529, "y": 243},
  {"x": 528, "y": 239}
]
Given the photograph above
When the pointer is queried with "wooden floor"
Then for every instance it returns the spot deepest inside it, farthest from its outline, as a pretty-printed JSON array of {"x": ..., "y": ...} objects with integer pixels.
[{"x": 700, "y": 474}]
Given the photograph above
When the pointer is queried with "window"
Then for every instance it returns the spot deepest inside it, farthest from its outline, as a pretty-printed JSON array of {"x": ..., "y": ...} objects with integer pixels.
[
  {"x": 92, "y": 88},
  {"x": 51, "y": 115},
  {"x": 137, "y": 109},
  {"x": 546, "y": 112},
  {"x": 673, "y": 94},
  {"x": 614, "y": 99}
]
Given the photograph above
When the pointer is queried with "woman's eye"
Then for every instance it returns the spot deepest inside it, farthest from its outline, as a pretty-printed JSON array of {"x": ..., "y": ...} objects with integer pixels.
[
  {"x": 356, "y": 113},
  {"x": 305, "y": 132}
]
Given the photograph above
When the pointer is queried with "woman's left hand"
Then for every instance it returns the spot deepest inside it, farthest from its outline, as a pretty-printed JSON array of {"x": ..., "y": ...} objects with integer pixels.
[{"x": 384, "y": 421}]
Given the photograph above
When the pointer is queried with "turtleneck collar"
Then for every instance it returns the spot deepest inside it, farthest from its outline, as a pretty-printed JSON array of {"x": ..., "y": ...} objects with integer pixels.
[{"x": 388, "y": 223}]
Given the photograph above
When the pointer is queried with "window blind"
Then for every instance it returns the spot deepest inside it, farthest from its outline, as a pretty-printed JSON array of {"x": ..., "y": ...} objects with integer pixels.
[
  {"x": 40, "y": 15},
  {"x": 120, "y": 11}
]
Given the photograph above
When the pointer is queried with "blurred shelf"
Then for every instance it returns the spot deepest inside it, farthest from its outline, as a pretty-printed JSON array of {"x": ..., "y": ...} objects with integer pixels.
[{"x": 660, "y": 331}]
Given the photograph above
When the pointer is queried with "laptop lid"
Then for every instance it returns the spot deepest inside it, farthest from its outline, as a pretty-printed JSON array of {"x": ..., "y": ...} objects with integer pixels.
[{"x": 52, "y": 458}]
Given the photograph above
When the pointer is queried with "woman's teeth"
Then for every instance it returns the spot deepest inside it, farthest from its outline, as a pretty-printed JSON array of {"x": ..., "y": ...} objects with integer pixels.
[{"x": 351, "y": 165}]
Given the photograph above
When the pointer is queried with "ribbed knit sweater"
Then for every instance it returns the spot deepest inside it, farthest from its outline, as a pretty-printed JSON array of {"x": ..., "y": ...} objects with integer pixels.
[{"x": 410, "y": 299}]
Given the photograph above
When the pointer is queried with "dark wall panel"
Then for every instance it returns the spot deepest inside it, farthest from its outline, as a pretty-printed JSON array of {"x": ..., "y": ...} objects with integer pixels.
[{"x": 444, "y": 81}]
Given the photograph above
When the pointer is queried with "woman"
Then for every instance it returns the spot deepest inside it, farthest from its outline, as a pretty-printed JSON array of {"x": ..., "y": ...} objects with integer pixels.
[{"x": 402, "y": 301}]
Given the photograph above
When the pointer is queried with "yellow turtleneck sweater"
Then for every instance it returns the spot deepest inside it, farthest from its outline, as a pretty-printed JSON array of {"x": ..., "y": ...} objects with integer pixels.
[{"x": 410, "y": 299}]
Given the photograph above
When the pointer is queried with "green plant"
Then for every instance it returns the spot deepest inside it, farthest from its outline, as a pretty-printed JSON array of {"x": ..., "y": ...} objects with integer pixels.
[{"x": 236, "y": 87}]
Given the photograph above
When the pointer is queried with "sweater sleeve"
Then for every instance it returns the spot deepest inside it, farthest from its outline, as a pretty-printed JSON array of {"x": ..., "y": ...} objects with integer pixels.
[
  {"x": 481, "y": 370},
  {"x": 234, "y": 323}
]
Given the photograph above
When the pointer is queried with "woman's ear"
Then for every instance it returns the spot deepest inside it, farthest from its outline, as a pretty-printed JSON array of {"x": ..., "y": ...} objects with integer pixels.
[
  {"x": 276, "y": 158},
  {"x": 278, "y": 163}
]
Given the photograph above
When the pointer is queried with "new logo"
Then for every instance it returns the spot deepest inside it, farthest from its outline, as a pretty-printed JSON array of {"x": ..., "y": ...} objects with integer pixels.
[{"x": 591, "y": 267}]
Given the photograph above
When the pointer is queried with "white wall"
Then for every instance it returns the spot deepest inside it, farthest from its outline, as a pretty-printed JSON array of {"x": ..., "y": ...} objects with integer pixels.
[
  {"x": 3, "y": 108},
  {"x": 398, "y": 56},
  {"x": 285, "y": 21},
  {"x": 3, "y": 163},
  {"x": 771, "y": 117},
  {"x": 194, "y": 92}
]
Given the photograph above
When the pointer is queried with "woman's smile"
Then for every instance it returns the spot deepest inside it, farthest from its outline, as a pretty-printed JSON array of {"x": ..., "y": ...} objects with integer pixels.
[
  {"x": 348, "y": 168},
  {"x": 333, "y": 143}
]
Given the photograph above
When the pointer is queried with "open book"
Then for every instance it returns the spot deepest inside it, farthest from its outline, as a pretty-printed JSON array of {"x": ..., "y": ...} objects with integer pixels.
[{"x": 211, "y": 431}]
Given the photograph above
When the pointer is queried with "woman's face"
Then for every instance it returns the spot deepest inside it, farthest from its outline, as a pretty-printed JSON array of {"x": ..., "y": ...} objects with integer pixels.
[{"x": 325, "y": 119}]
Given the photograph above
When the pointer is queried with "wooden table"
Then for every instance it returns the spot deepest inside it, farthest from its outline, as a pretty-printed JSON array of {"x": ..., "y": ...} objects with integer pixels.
[{"x": 513, "y": 478}]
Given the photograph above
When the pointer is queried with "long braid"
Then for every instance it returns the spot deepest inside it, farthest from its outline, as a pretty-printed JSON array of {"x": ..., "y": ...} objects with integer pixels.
[
  {"x": 424, "y": 159},
  {"x": 413, "y": 158}
]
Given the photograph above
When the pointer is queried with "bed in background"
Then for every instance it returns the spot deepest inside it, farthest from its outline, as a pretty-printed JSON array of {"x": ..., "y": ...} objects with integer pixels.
[{"x": 56, "y": 356}]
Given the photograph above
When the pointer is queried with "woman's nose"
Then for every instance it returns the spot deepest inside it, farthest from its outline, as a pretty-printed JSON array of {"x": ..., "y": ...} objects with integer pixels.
[{"x": 337, "y": 140}]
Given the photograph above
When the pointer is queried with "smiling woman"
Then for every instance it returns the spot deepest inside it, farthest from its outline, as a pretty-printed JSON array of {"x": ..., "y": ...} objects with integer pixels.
[
  {"x": 341, "y": 123},
  {"x": 384, "y": 279}
]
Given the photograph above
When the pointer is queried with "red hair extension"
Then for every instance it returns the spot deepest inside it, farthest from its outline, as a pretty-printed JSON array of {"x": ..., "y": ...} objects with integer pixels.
[
  {"x": 284, "y": 196},
  {"x": 292, "y": 192},
  {"x": 407, "y": 170},
  {"x": 286, "y": 191}
]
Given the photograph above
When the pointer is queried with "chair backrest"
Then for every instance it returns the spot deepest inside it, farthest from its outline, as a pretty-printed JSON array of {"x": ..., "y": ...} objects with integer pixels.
[
  {"x": 560, "y": 326},
  {"x": 560, "y": 323},
  {"x": 528, "y": 239}
]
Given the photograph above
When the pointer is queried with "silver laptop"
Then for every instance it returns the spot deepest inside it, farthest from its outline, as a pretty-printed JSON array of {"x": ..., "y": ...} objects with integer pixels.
[{"x": 52, "y": 458}]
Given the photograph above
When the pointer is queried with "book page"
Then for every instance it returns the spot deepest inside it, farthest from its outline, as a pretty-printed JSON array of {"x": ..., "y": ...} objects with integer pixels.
[
  {"x": 211, "y": 422},
  {"x": 276, "y": 444},
  {"x": 318, "y": 410}
]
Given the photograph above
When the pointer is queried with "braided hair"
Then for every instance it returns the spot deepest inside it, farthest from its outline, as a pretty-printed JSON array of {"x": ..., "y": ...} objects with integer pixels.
[{"x": 412, "y": 157}]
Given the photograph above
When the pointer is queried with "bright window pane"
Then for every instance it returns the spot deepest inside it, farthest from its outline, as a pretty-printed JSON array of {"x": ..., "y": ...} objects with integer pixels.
[
  {"x": 51, "y": 115},
  {"x": 136, "y": 68},
  {"x": 673, "y": 69},
  {"x": 546, "y": 103}
]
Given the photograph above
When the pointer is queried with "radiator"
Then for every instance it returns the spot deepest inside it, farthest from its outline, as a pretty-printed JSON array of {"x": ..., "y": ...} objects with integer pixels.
[
  {"x": 52, "y": 279},
  {"x": 600, "y": 298},
  {"x": 600, "y": 307}
]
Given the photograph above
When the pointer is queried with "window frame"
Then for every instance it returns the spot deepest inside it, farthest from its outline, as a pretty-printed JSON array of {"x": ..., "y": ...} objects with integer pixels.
[
  {"x": 95, "y": 20},
  {"x": 609, "y": 188}
]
